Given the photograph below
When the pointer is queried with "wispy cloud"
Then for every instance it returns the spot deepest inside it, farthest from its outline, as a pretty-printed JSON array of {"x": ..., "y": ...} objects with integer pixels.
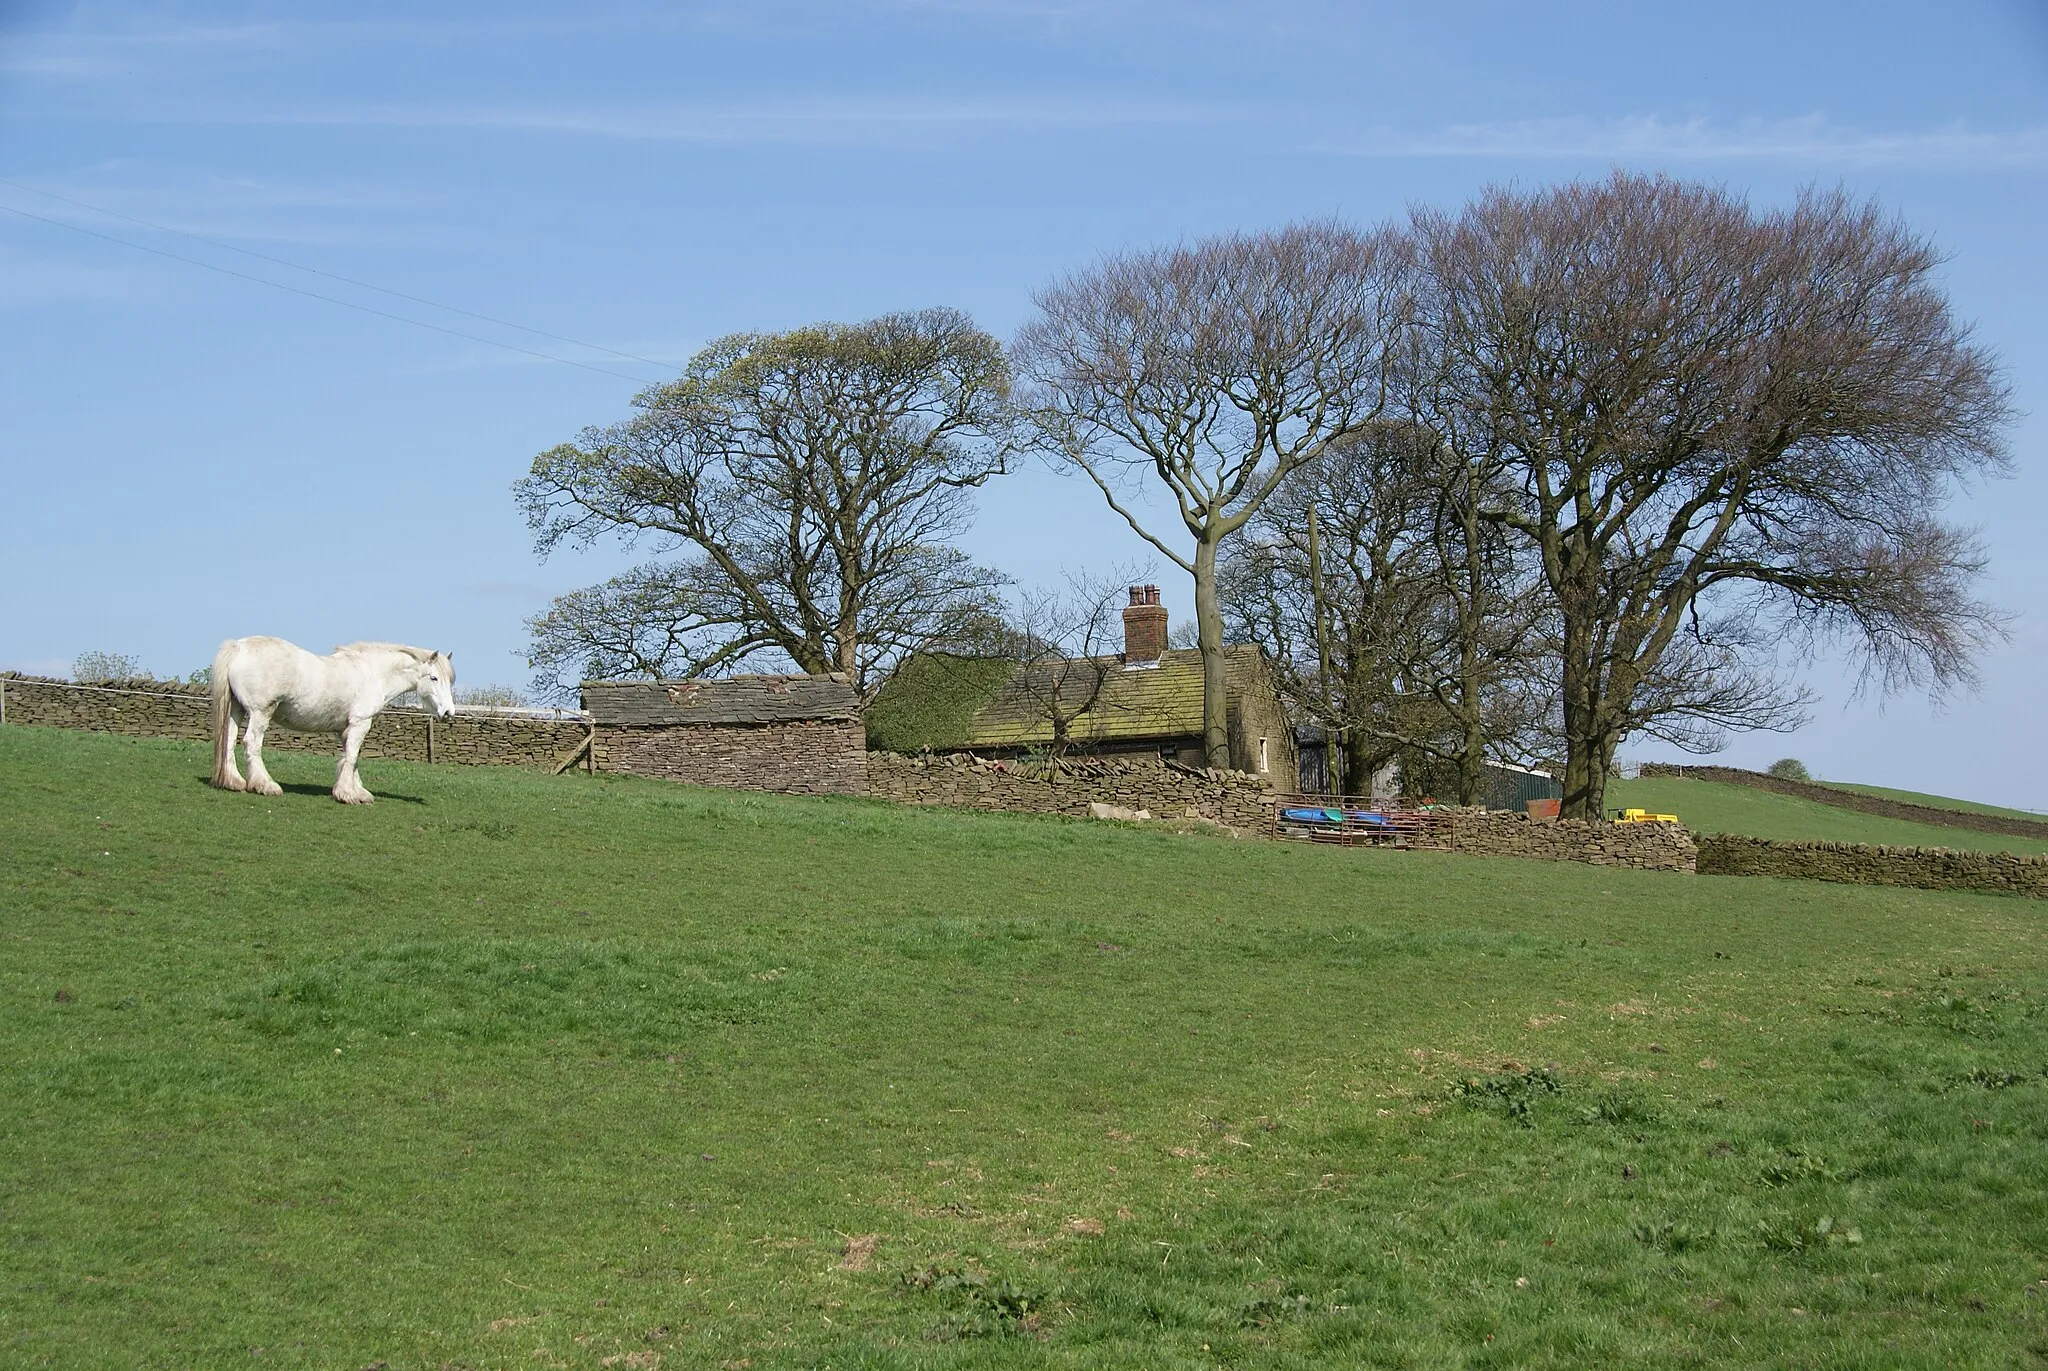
[
  {"x": 27, "y": 281},
  {"x": 326, "y": 212},
  {"x": 673, "y": 354},
  {"x": 768, "y": 120},
  {"x": 120, "y": 53},
  {"x": 1811, "y": 138},
  {"x": 1303, "y": 128}
]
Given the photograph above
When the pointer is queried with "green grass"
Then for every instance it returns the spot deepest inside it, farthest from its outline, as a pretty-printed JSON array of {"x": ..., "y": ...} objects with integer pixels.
[
  {"x": 1937, "y": 801},
  {"x": 518, "y": 1071},
  {"x": 1714, "y": 807}
]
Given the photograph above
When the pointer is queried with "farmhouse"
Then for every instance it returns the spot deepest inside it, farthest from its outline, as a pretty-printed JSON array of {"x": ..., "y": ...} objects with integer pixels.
[
  {"x": 1146, "y": 699},
  {"x": 800, "y": 735}
]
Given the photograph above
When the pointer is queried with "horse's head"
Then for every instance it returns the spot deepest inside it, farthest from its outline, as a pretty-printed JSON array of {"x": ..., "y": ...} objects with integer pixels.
[{"x": 437, "y": 684}]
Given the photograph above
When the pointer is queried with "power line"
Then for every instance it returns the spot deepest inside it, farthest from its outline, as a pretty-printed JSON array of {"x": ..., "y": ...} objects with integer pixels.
[
  {"x": 330, "y": 299},
  {"x": 333, "y": 276}
]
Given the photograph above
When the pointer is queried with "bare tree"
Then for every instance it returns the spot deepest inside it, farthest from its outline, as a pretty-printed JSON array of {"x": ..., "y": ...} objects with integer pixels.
[
  {"x": 1066, "y": 643},
  {"x": 1216, "y": 371},
  {"x": 813, "y": 478},
  {"x": 1726, "y": 430},
  {"x": 1397, "y": 618}
]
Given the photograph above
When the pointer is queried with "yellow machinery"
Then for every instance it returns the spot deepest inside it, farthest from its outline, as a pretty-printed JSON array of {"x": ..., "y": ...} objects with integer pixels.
[{"x": 1643, "y": 816}]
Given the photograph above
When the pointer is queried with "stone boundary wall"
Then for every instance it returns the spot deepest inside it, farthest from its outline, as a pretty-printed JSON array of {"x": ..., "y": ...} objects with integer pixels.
[
  {"x": 1504, "y": 833},
  {"x": 1849, "y": 799},
  {"x": 1168, "y": 790},
  {"x": 167, "y": 710},
  {"x": 1922, "y": 868},
  {"x": 795, "y": 757}
]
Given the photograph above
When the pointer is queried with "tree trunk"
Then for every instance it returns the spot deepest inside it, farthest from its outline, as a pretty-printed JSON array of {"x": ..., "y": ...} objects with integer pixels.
[
  {"x": 1472, "y": 761},
  {"x": 1209, "y": 636},
  {"x": 1362, "y": 759},
  {"x": 1585, "y": 761}
]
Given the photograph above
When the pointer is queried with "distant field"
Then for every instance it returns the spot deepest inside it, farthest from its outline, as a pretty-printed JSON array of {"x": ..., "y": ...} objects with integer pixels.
[
  {"x": 510, "y": 1070},
  {"x": 1713, "y": 807},
  {"x": 1936, "y": 801}
]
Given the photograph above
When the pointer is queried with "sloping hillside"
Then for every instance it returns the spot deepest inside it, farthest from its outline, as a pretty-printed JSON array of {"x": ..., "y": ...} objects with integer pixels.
[
  {"x": 1937, "y": 801},
  {"x": 1714, "y": 807},
  {"x": 511, "y": 1070}
]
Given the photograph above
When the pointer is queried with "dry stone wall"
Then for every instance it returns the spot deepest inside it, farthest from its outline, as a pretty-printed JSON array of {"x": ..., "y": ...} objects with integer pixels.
[
  {"x": 1503, "y": 833},
  {"x": 1923, "y": 868},
  {"x": 809, "y": 757},
  {"x": 161, "y": 710},
  {"x": 1168, "y": 791}
]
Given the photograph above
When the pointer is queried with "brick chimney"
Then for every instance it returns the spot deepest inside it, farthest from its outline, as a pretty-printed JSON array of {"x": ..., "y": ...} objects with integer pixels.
[{"x": 1144, "y": 626}]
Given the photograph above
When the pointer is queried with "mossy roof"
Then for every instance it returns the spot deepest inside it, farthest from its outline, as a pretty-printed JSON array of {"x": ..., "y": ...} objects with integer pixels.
[{"x": 941, "y": 702}]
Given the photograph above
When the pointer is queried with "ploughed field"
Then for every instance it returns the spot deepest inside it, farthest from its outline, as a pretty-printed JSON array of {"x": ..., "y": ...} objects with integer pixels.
[{"x": 518, "y": 1071}]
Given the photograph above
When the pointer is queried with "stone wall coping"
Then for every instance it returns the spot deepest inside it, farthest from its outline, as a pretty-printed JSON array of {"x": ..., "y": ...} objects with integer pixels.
[{"x": 184, "y": 690}]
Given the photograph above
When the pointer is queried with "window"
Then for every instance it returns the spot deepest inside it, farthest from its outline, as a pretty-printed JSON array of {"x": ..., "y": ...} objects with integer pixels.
[{"x": 1262, "y": 754}]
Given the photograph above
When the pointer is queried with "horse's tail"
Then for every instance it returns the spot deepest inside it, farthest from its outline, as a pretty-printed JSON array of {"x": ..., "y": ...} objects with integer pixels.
[{"x": 224, "y": 774}]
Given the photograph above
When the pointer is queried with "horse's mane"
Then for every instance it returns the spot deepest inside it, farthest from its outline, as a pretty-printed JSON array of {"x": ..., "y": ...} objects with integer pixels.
[{"x": 358, "y": 649}]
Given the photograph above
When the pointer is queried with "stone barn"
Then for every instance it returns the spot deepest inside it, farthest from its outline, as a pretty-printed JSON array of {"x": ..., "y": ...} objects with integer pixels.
[{"x": 799, "y": 735}]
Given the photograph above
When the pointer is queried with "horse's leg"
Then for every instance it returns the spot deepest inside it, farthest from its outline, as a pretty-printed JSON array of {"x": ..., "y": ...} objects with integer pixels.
[
  {"x": 225, "y": 774},
  {"x": 252, "y": 741},
  {"x": 348, "y": 787}
]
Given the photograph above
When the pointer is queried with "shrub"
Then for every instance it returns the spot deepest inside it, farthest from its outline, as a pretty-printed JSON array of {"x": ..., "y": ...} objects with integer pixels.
[
  {"x": 94, "y": 667},
  {"x": 500, "y": 695},
  {"x": 1790, "y": 769}
]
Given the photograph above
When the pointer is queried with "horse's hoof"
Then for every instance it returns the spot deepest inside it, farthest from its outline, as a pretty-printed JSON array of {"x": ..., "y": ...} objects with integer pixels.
[
  {"x": 230, "y": 783},
  {"x": 355, "y": 797},
  {"x": 268, "y": 788}
]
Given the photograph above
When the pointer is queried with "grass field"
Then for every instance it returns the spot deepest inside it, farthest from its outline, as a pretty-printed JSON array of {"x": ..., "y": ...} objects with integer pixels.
[
  {"x": 1714, "y": 807},
  {"x": 1937, "y": 801},
  {"x": 518, "y": 1071}
]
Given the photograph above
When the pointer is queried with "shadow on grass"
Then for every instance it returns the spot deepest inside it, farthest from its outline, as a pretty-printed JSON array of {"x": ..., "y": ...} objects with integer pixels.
[{"x": 326, "y": 792}]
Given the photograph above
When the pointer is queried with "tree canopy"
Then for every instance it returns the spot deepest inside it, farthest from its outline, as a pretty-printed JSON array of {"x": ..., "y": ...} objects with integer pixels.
[
  {"x": 1725, "y": 431},
  {"x": 811, "y": 484}
]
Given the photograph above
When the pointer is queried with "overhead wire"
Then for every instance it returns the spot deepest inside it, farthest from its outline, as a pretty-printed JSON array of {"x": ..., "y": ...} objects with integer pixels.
[{"x": 333, "y": 299}]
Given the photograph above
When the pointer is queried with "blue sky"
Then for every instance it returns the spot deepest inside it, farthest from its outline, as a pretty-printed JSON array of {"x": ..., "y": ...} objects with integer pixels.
[{"x": 186, "y": 456}]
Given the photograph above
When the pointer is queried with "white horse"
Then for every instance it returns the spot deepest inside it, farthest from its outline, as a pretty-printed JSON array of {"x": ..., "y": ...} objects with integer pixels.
[{"x": 256, "y": 680}]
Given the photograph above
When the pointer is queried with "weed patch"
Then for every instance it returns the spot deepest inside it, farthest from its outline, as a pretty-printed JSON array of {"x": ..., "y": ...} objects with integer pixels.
[
  {"x": 1672, "y": 1236},
  {"x": 1796, "y": 1236},
  {"x": 1618, "y": 1107},
  {"x": 1511, "y": 1094},
  {"x": 977, "y": 1304},
  {"x": 1793, "y": 1165}
]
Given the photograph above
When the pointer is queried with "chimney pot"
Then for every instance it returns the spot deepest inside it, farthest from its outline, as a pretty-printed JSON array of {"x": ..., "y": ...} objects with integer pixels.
[{"x": 1144, "y": 626}]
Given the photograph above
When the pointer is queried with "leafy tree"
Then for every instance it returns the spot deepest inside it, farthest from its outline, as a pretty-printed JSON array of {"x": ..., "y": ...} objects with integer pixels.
[
  {"x": 1790, "y": 769},
  {"x": 1725, "y": 431},
  {"x": 1212, "y": 373},
  {"x": 810, "y": 482}
]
